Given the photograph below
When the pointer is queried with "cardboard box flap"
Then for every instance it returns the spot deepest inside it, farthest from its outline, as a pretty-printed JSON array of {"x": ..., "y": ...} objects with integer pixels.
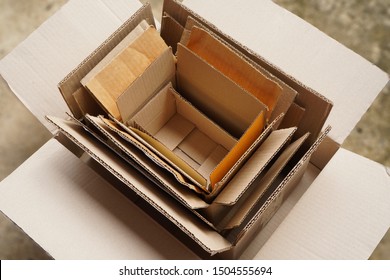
[
  {"x": 85, "y": 217},
  {"x": 204, "y": 236},
  {"x": 34, "y": 68},
  {"x": 359, "y": 224},
  {"x": 270, "y": 28}
]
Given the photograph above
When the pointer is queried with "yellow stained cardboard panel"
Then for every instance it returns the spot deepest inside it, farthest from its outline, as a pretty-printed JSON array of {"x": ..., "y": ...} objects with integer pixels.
[
  {"x": 112, "y": 81},
  {"x": 217, "y": 100},
  {"x": 235, "y": 67}
]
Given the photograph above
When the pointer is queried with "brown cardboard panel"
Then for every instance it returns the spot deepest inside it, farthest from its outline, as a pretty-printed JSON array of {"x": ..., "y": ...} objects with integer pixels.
[
  {"x": 253, "y": 197},
  {"x": 86, "y": 103},
  {"x": 171, "y": 31},
  {"x": 293, "y": 116},
  {"x": 235, "y": 67},
  {"x": 173, "y": 131},
  {"x": 218, "y": 100},
  {"x": 254, "y": 166},
  {"x": 156, "y": 76},
  {"x": 71, "y": 83},
  {"x": 206, "y": 237},
  {"x": 114, "y": 78},
  {"x": 117, "y": 50},
  {"x": 278, "y": 195},
  {"x": 317, "y": 106},
  {"x": 324, "y": 153}
]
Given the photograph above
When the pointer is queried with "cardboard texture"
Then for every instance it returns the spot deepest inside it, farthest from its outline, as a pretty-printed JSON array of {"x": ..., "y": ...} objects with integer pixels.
[
  {"x": 116, "y": 76},
  {"x": 260, "y": 217}
]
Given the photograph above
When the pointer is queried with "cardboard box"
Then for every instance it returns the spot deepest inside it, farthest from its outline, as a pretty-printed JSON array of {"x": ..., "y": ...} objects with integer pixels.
[{"x": 308, "y": 229}]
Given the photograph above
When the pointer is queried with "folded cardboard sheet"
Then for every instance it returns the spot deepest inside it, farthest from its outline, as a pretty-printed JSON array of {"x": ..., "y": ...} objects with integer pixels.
[{"x": 288, "y": 168}]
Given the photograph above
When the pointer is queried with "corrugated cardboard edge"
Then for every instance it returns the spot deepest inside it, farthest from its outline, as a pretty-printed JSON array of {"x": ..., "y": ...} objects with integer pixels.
[
  {"x": 274, "y": 201},
  {"x": 72, "y": 81},
  {"x": 180, "y": 13},
  {"x": 224, "y": 244}
]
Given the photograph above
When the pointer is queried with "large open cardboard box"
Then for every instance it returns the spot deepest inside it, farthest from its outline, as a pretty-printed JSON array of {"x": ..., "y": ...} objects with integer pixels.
[{"x": 339, "y": 209}]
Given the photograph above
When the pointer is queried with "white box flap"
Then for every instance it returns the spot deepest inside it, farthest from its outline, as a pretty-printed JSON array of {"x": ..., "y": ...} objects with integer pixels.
[
  {"x": 343, "y": 215},
  {"x": 35, "y": 67},
  {"x": 302, "y": 51},
  {"x": 81, "y": 215}
]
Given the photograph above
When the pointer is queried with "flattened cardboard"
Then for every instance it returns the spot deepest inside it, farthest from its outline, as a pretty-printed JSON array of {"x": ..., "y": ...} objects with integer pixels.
[
  {"x": 255, "y": 165},
  {"x": 71, "y": 83},
  {"x": 264, "y": 184},
  {"x": 111, "y": 79},
  {"x": 358, "y": 224},
  {"x": 188, "y": 198}
]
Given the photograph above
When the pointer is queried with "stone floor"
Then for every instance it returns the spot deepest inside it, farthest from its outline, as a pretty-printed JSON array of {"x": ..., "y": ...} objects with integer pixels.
[{"x": 363, "y": 26}]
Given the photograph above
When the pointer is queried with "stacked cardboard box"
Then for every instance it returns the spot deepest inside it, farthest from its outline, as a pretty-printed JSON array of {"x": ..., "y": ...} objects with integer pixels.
[{"x": 220, "y": 156}]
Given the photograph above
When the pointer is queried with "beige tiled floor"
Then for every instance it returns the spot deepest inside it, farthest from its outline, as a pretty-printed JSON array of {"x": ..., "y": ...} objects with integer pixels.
[{"x": 363, "y": 26}]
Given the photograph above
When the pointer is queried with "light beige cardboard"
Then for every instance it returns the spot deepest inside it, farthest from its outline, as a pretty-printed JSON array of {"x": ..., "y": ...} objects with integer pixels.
[
  {"x": 77, "y": 22},
  {"x": 254, "y": 197},
  {"x": 157, "y": 75},
  {"x": 294, "y": 27},
  {"x": 84, "y": 216},
  {"x": 71, "y": 83},
  {"x": 332, "y": 207},
  {"x": 206, "y": 237},
  {"x": 255, "y": 165}
]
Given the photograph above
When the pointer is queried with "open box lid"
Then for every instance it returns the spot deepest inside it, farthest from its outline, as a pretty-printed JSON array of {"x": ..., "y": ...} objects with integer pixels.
[{"x": 34, "y": 68}]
